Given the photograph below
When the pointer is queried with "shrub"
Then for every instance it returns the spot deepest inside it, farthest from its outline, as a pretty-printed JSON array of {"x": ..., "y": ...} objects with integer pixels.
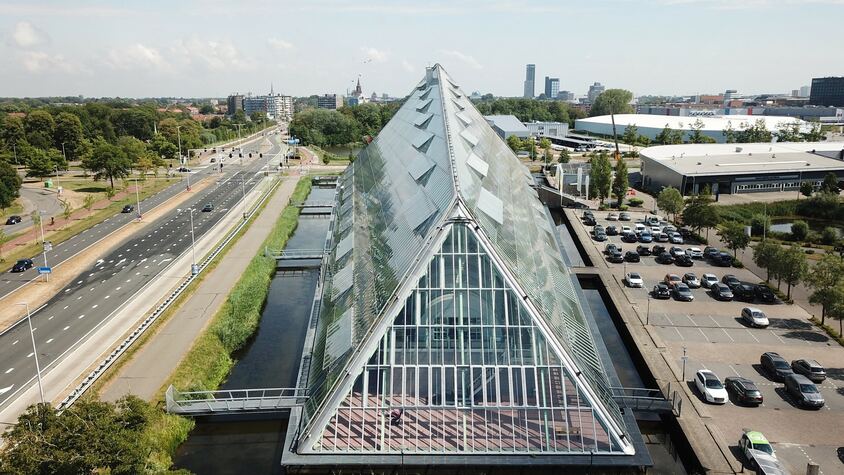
[
  {"x": 829, "y": 235},
  {"x": 623, "y": 208},
  {"x": 810, "y": 251},
  {"x": 635, "y": 202},
  {"x": 799, "y": 230},
  {"x": 737, "y": 264},
  {"x": 759, "y": 224}
]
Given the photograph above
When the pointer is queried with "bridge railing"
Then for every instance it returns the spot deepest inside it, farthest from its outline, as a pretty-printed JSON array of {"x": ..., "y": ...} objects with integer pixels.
[
  {"x": 233, "y": 400},
  {"x": 642, "y": 399},
  {"x": 313, "y": 204},
  {"x": 294, "y": 253}
]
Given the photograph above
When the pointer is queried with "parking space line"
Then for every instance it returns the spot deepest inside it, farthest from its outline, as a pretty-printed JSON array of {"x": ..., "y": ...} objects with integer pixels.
[
  {"x": 752, "y": 335},
  {"x": 728, "y": 335},
  {"x": 778, "y": 337}
]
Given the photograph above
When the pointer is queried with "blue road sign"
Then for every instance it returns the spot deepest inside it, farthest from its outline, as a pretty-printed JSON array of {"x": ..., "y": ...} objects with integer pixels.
[{"x": 45, "y": 270}]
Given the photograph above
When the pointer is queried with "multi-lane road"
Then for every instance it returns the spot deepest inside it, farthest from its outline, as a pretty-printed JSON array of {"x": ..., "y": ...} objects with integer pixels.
[{"x": 92, "y": 297}]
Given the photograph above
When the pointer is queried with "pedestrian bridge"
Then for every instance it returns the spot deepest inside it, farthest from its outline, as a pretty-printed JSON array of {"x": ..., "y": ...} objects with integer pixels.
[
  {"x": 646, "y": 400},
  {"x": 233, "y": 401},
  {"x": 312, "y": 204}
]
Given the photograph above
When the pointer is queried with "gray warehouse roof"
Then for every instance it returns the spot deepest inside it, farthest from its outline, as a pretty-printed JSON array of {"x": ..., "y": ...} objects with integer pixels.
[{"x": 510, "y": 124}]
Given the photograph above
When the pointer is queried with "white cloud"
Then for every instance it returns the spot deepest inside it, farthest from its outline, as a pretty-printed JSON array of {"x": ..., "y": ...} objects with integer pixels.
[
  {"x": 462, "y": 57},
  {"x": 408, "y": 66},
  {"x": 279, "y": 44},
  {"x": 137, "y": 56},
  {"x": 210, "y": 54},
  {"x": 39, "y": 61},
  {"x": 374, "y": 55},
  {"x": 27, "y": 35}
]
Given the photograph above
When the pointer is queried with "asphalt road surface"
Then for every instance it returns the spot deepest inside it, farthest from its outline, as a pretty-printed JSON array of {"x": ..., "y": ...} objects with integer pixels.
[
  {"x": 96, "y": 293},
  {"x": 9, "y": 282}
]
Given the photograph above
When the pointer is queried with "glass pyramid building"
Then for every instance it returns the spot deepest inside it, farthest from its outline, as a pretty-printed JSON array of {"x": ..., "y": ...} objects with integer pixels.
[{"x": 448, "y": 324}]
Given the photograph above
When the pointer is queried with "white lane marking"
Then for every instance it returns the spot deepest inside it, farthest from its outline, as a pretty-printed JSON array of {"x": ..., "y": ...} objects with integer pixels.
[
  {"x": 67, "y": 290},
  {"x": 49, "y": 341},
  {"x": 95, "y": 306},
  {"x": 15, "y": 343},
  {"x": 778, "y": 337},
  {"x": 6, "y": 389},
  {"x": 81, "y": 316},
  {"x": 9, "y": 370},
  {"x": 118, "y": 288},
  {"x": 30, "y": 355},
  {"x": 128, "y": 280},
  {"x": 107, "y": 296},
  {"x": 137, "y": 273},
  {"x": 51, "y": 317},
  {"x": 79, "y": 282},
  {"x": 65, "y": 328},
  {"x": 79, "y": 298}
]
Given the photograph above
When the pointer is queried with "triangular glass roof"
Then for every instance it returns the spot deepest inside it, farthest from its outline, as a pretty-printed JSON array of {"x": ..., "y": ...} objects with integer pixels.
[{"x": 438, "y": 162}]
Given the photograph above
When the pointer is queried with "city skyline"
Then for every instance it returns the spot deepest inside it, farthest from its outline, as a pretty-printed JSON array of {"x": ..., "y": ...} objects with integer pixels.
[{"x": 196, "y": 50}]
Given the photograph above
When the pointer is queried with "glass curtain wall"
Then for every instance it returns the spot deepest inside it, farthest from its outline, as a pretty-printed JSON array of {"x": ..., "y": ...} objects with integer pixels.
[{"x": 464, "y": 368}]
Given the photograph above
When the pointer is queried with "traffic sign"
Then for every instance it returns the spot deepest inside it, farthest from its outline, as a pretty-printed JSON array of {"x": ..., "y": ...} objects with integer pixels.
[
  {"x": 45, "y": 270},
  {"x": 48, "y": 246}
]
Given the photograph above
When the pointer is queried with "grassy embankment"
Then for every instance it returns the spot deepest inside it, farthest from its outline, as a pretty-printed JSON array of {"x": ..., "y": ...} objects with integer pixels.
[{"x": 209, "y": 361}]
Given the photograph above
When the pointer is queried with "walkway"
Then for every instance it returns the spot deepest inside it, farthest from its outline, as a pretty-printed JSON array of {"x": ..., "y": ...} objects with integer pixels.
[{"x": 148, "y": 369}]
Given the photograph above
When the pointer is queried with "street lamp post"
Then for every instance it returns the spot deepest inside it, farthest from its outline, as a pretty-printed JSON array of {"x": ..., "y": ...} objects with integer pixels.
[
  {"x": 34, "y": 350},
  {"x": 138, "y": 197},
  {"x": 648, "y": 315},
  {"x": 193, "y": 269},
  {"x": 43, "y": 243}
]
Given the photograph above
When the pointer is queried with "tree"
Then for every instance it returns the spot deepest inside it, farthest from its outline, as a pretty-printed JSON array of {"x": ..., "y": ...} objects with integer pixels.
[
  {"x": 514, "y": 143},
  {"x": 12, "y": 132},
  {"x": 612, "y": 101},
  {"x": 789, "y": 133},
  {"x": 829, "y": 235},
  {"x": 88, "y": 437},
  {"x": 806, "y": 189},
  {"x": 700, "y": 212},
  {"x": 565, "y": 157},
  {"x": 630, "y": 135},
  {"x": 600, "y": 176},
  {"x": 163, "y": 148},
  {"x": 799, "y": 230},
  {"x": 206, "y": 109},
  {"x": 67, "y": 209},
  {"x": 69, "y": 132},
  {"x": 760, "y": 224},
  {"x": 10, "y": 185},
  {"x": 735, "y": 237},
  {"x": 793, "y": 266},
  {"x": 836, "y": 308},
  {"x": 108, "y": 161},
  {"x": 670, "y": 200},
  {"x": 39, "y": 126},
  {"x": 757, "y": 132},
  {"x": 669, "y": 136},
  {"x": 765, "y": 255},
  {"x": 545, "y": 145},
  {"x": 133, "y": 148},
  {"x": 830, "y": 184},
  {"x": 257, "y": 117},
  {"x": 696, "y": 136},
  {"x": 88, "y": 202},
  {"x": 826, "y": 275},
  {"x": 38, "y": 163},
  {"x": 729, "y": 133},
  {"x": 815, "y": 134},
  {"x": 530, "y": 143},
  {"x": 620, "y": 182}
]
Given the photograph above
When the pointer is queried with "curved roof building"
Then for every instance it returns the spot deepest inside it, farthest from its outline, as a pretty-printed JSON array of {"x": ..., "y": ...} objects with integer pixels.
[{"x": 448, "y": 326}]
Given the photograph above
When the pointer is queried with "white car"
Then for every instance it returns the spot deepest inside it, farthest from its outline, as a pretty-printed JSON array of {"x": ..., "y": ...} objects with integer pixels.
[
  {"x": 639, "y": 228},
  {"x": 625, "y": 229},
  {"x": 676, "y": 238},
  {"x": 694, "y": 253},
  {"x": 633, "y": 279},
  {"x": 754, "y": 317},
  {"x": 708, "y": 280},
  {"x": 612, "y": 217},
  {"x": 710, "y": 387}
]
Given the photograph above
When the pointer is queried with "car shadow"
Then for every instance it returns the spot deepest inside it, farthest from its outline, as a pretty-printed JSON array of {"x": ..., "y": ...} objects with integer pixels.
[
  {"x": 782, "y": 393},
  {"x": 739, "y": 455},
  {"x": 840, "y": 453},
  {"x": 790, "y": 323},
  {"x": 835, "y": 373},
  {"x": 742, "y": 322},
  {"x": 761, "y": 370},
  {"x": 807, "y": 336}
]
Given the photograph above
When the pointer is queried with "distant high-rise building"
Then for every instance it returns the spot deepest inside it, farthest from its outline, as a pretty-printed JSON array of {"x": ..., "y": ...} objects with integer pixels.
[
  {"x": 827, "y": 91},
  {"x": 565, "y": 95},
  {"x": 329, "y": 101},
  {"x": 234, "y": 103},
  {"x": 804, "y": 91},
  {"x": 795, "y": 93},
  {"x": 552, "y": 87},
  {"x": 275, "y": 106},
  {"x": 530, "y": 81},
  {"x": 595, "y": 90},
  {"x": 728, "y": 95}
]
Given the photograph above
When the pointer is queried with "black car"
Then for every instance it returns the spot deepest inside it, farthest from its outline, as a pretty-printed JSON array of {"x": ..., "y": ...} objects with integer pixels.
[
  {"x": 775, "y": 365},
  {"x": 14, "y": 219},
  {"x": 589, "y": 220},
  {"x": 744, "y": 292},
  {"x": 630, "y": 237},
  {"x": 731, "y": 281},
  {"x": 764, "y": 294},
  {"x": 710, "y": 252},
  {"x": 665, "y": 258},
  {"x": 208, "y": 208},
  {"x": 682, "y": 293},
  {"x": 127, "y": 209},
  {"x": 722, "y": 259},
  {"x": 721, "y": 292},
  {"x": 600, "y": 236},
  {"x": 615, "y": 257},
  {"x": 804, "y": 391},
  {"x": 744, "y": 389},
  {"x": 643, "y": 250},
  {"x": 610, "y": 247},
  {"x": 631, "y": 256},
  {"x": 184, "y": 169},
  {"x": 657, "y": 249},
  {"x": 22, "y": 265},
  {"x": 684, "y": 261},
  {"x": 612, "y": 231},
  {"x": 661, "y": 291}
]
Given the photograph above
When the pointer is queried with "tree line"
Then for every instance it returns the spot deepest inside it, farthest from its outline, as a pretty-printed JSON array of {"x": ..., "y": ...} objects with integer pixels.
[
  {"x": 346, "y": 125},
  {"x": 530, "y": 110}
]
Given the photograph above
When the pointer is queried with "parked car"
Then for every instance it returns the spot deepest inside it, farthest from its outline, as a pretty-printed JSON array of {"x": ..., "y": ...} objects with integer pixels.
[
  {"x": 598, "y": 229},
  {"x": 710, "y": 252},
  {"x": 661, "y": 291},
  {"x": 764, "y": 294},
  {"x": 127, "y": 209},
  {"x": 676, "y": 238},
  {"x": 612, "y": 217},
  {"x": 707, "y": 280},
  {"x": 625, "y": 229},
  {"x": 616, "y": 257},
  {"x": 665, "y": 258},
  {"x": 589, "y": 220},
  {"x": 624, "y": 216},
  {"x": 754, "y": 317},
  {"x": 694, "y": 253},
  {"x": 13, "y": 219},
  {"x": 208, "y": 208},
  {"x": 810, "y": 369},
  {"x": 629, "y": 237},
  {"x": 723, "y": 259},
  {"x": 611, "y": 247},
  {"x": 684, "y": 261},
  {"x": 730, "y": 280},
  {"x": 744, "y": 389},
  {"x": 721, "y": 292},
  {"x": 655, "y": 230},
  {"x": 672, "y": 279},
  {"x": 646, "y": 237},
  {"x": 657, "y": 249},
  {"x": 22, "y": 265},
  {"x": 710, "y": 387},
  {"x": 612, "y": 231},
  {"x": 677, "y": 251},
  {"x": 775, "y": 365},
  {"x": 631, "y": 256},
  {"x": 599, "y": 236},
  {"x": 633, "y": 279},
  {"x": 661, "y": 237},
  {"x": 639, "y": 228},
  {"x": 752, "y": 443},
  {"x": 690, "y": 279},
  {"x": 184, "y": 169},
  {"x": 668, "y": 229},
  {"x": 804, "y": 391},
  {"x": 643, "y": 250},
  {"x": 744, "y": 292},
  {"x": 683, "y": 293}
]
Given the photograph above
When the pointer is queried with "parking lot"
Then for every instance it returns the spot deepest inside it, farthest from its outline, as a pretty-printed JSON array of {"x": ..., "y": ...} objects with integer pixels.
[{"x": 712, "y": 336}]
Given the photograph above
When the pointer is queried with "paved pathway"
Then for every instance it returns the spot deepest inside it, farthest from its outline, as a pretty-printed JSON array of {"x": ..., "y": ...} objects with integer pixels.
[{"x": 150, "y": 366}]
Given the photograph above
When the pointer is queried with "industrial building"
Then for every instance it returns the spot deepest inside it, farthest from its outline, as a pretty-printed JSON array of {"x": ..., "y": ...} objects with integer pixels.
[
  {"x": 330, "y": 101},
  {"x": 827, "y": 92},
  {"x": 557, "y": 130},
  {"x": 448, "y": 331},
  {"x": 507, "y": 125},
  {"x": 651, "y": 125},
  {"x": 740, "y": 168}
]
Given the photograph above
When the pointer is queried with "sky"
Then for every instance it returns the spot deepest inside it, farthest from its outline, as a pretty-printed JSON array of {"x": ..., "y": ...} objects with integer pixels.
[{"x": 212, "y": 48}]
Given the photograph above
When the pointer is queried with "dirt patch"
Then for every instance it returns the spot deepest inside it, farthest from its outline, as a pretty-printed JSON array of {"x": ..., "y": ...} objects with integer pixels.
[{"x": 38, "y": 293}]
